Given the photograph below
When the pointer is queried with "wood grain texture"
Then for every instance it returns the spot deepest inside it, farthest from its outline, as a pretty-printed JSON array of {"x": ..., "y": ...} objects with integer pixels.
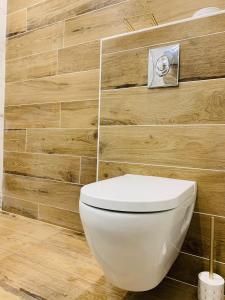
[
  {"x": 88, "y": 170},
  {"x": 60, "y": 217},
  {"x": 14, "y": 5},
  {"x": 127, "y": 69},
  {"x": 55, "y": 167},
  {"x": 79, "y": 57},
  {"x": 197, "y": 241},
  {"x": 52, "y": 11},
  {"x": 124, "y": 17},
  {"x": 187, "y": 146},
  {"x": 200, "y": 102},
  {"x": 173, "y": 133},
  {"x": 178, "y": 10},
  {"x": 37, "y": 246},
  {"x": 79, "y": 114},
  {"x": 211, "y": 188},
  {"x": 80, "y": 142},
  {"x": 167, "y": 33},
  {"x": 20, "y": 207},
  {"x": 66, "y": 87},
  {"x": 61, "y": 195},
  {"x": 32, "y": 116},
  {"x": 35, "y": 66},
  {"x": 187, "y": 267},
  {"x": 16, "y": 23},
  {"x": 26, "y": 227},
  {"x": 14, "y": 140},
  {"x": 33, "y": 42}
]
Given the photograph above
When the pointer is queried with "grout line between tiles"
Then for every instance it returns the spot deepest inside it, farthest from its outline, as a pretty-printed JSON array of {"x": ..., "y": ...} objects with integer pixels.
[
  {"x": 44, "y": 179},
  {"x": 38, "y": 204},
  {"x": 72, "y": 17},
  {"x": 163, "y": 43},
  {"x": 51, "y": 77},
  {"x": 114, "y": 90},
  {"x": 15, "y": 11},
  {"x": 51, "y": 102},
  {"x": 186, "y": 20},
  {"x": 180, "y": 281},
  {"x": 201, "y": 257},
  {"x": 54, "y": 128},
  {"x": 51, "y": 154},
  {"x": 43, "y": 52},
  {"x": 161, "y": 125},
  {"x": 209, "y": 215},
  {"x": 37, "y": 221},
  {"x": 99, "y": 113},
  {"x": 159, "y": 165}
]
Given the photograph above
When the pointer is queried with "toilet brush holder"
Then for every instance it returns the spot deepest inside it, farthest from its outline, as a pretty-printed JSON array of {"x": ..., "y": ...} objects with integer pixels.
[
  {"x": 210, "y": 288},
  {"x": 210, "y": 285}
]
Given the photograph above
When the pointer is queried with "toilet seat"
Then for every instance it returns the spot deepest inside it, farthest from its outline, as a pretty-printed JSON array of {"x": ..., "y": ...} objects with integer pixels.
[{"x": 135, "y": 193}]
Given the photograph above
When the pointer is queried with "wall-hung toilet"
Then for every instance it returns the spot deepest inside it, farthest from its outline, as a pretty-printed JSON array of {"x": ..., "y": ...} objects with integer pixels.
[{"x": 135, "y": 226}]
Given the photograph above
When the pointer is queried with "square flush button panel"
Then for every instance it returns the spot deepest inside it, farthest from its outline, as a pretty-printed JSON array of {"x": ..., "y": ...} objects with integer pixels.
[{"x": 163, "y": 66}]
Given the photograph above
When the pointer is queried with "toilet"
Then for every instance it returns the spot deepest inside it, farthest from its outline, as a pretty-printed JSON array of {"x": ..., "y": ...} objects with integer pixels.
[{"x": 135, "y": 226}]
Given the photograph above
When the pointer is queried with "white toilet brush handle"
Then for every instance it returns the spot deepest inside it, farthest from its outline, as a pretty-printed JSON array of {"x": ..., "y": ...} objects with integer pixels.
[{"x": 211, "y": 261}]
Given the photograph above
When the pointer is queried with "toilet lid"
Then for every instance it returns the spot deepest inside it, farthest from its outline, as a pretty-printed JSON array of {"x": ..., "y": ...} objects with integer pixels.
[{"x": 137, "y": 193}]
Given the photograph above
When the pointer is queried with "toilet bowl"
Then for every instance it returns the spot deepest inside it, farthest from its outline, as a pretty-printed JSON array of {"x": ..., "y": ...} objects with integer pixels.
[{"x": 135, "y": 226}]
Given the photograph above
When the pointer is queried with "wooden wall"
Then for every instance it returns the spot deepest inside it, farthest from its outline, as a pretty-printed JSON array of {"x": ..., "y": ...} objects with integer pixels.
[
  {"x": 51, "y": 106},
  {"x": 172, "y": 132}
]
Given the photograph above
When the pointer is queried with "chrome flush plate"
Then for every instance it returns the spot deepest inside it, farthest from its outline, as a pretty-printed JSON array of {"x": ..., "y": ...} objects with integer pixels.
[{"x": 163, "y": 66}]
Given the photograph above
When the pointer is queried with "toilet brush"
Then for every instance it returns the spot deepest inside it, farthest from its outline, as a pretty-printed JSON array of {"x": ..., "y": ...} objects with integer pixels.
[{"x": 210, "y": 285}]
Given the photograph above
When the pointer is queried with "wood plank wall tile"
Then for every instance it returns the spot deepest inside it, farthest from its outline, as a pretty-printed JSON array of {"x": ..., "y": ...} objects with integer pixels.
[
  {"x": 88, "y": 170},
  {"x": 187, "y": 267},
  {"x": 17, "y": 23},
  {"x": 112, "y": 20},
  {"x": 57, "y": 84},
  {"x": 126, "y": 70},
  {"x": 198, "y": 238},
  {"x": 187, "y": 146},
  {"x": 177, "y": 10},
  {"x": 60, "y": 217},
  {"x": 79, "y": 142},
  {"x": 55, "y": 167},
  {"x": 164, "y": 34},
  {"x": 79, "y": 114},
  {"x": 32, "y": 116},
  {"x": 174, "y": 132},
  {"x": 14, "y": 5},
  {"x": 15, "y": 140},
  {"x": 20, "y": 207},
  {"x": 200, "y": 102},
  {"x": 211, "y": 188},
  {"x": 66, "y": 87},
  {"x": 33, "y": 42},
  {"x": 49, "y": 12},
  {"x": 81, "y": 57},
  {"x": 35, "y": 66},
  {"x": 61, "y": 195}
]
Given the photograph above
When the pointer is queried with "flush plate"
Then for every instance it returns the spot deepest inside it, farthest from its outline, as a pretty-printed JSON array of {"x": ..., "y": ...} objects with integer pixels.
[{"x": 163, "y": 66}]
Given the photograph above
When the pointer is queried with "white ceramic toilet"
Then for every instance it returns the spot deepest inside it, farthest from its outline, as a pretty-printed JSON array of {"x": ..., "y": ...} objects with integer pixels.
[{"x": 135, "y": 226}]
